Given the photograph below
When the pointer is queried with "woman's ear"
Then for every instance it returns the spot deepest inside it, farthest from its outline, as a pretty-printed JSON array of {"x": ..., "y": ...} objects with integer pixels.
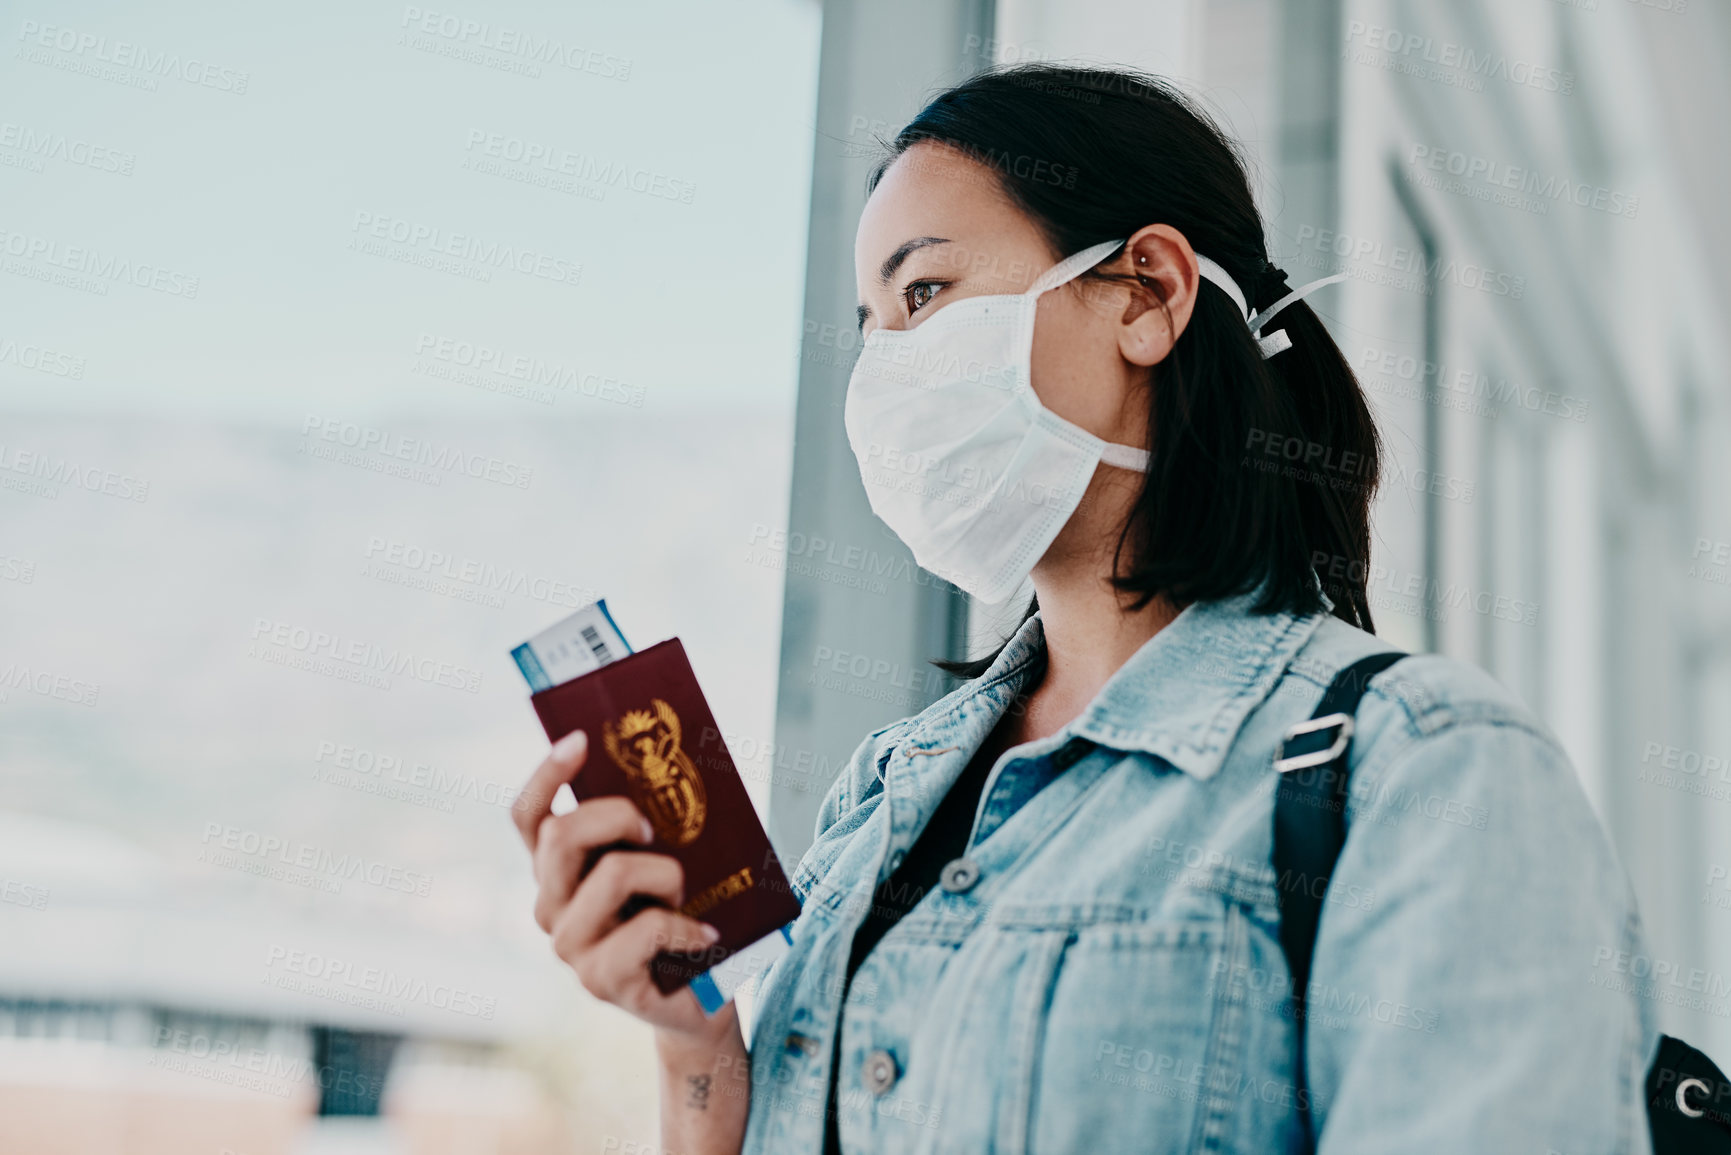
[{"x": 1163, "y": 264}]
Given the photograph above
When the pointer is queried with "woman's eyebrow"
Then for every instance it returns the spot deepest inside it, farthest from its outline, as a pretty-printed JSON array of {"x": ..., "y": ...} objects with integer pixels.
[
  {"x": 894, "y": 262},
  {"x": 895, "y": 259}
]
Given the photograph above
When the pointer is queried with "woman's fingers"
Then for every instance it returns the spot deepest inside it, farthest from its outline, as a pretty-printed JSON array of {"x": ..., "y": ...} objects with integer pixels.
[
  {"x": 594, "y": 908},
  {"x": 586, "y": 873},
  {"x": 616, "y": 968},
  {"x": 536, "y": 801},
  {"x": 565, "y": 844}
]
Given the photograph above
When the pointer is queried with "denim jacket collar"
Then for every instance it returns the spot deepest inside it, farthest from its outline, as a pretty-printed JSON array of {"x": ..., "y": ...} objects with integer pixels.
[{"x": 1183, "y": 695}]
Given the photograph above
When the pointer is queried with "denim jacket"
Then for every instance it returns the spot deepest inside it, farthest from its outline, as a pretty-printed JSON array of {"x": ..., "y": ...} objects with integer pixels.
[{"x": 1101, "y": 971}]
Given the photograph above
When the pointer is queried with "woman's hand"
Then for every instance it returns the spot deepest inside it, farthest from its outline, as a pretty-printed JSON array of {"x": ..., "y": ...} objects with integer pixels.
[
  {"x": 702, "y": 1059},
  {"x": 579, "y": 904}
]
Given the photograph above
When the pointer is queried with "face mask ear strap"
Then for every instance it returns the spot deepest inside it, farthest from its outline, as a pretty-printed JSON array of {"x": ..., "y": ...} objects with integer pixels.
[
  {"x": 1073, "y": 266},
  {"x": 1220, "y": 277},
  {"x": 1124, "y": 456},
  {"x": 1278, "y": 340}
]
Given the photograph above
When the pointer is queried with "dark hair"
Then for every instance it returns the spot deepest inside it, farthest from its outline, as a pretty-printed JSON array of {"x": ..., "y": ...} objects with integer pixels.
[{"x": 1095, "y": 154}]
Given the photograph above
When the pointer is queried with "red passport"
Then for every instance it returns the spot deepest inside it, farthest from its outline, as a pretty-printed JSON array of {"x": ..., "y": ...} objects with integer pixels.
[{"x": 653, "y": 739}]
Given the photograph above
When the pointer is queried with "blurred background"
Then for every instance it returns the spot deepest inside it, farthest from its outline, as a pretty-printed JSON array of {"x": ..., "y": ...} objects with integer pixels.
[{"x": 343, "y": 347}]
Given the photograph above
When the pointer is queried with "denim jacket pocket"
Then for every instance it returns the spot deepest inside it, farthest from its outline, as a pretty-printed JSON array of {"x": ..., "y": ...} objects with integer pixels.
[{"x": 1134, "y": 1035}]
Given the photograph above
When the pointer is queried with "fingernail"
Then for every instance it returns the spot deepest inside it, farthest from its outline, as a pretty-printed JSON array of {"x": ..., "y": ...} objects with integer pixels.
[
  {"x": 710, "y": 934},
  {"x": 571, "y": 743},
  {"x": 648, "y": 831}
]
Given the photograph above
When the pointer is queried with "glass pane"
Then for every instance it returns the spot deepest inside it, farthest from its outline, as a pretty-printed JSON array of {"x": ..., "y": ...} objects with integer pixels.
[{"x": 342, "y": 348}]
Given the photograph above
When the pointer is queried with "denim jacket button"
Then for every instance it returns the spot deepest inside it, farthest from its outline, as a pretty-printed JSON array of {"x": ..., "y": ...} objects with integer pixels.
[
  {"x": 879, "y": 1072},
  {"x": 959, "y": 875}
]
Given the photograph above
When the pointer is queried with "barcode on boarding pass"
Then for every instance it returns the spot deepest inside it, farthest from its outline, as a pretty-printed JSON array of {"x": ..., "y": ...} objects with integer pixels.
[
  {"x": 585, "y": 641},
  {"x": 597, "y": 645}
]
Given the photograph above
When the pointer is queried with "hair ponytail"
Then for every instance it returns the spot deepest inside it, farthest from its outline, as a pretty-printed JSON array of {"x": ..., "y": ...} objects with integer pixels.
[{"x": 1334, "y": 504}]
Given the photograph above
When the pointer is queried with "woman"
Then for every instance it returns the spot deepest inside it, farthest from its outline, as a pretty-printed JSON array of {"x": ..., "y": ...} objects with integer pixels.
[{"x": 1042, "y": 915}]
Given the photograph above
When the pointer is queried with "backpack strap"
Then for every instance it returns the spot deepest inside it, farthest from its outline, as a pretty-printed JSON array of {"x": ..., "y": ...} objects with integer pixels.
[
  {"x": 1688, "y": 1097},
  {"x": 1310, "y": 826}
]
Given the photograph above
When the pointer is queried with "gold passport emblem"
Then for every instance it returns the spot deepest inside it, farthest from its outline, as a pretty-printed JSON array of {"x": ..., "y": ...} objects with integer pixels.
[{"x": 645, "y": 744}]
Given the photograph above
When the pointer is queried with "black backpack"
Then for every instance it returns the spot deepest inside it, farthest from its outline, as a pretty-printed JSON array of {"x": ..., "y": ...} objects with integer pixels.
[{"x": 1686, "y": 1093}]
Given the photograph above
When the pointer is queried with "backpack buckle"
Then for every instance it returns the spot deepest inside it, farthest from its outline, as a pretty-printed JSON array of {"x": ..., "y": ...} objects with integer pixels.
[{"x": 1284, "y": 764}]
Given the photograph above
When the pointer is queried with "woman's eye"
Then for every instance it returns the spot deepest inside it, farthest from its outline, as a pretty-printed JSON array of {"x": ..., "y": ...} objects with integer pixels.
[{"x": 919, "y": 294}]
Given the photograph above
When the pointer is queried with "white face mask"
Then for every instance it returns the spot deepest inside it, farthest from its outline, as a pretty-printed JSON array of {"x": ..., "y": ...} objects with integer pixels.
[{"x": 958, "y": 456}]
